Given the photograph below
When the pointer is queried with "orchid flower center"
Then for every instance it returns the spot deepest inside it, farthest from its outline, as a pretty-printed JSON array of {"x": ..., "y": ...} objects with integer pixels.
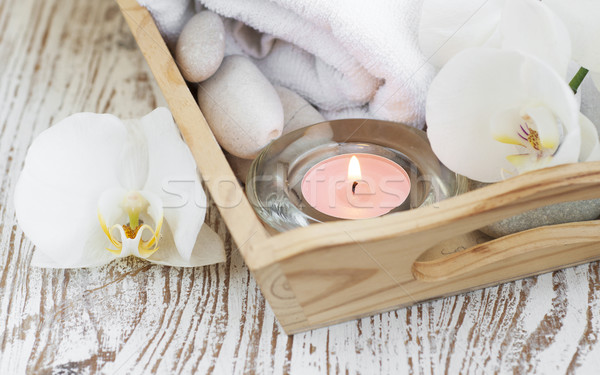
[
  {"x": 133, "y": 204},
  {"x": 532, "y": 137},
  {"x": 531, "y": 141},
  {"x": 133, "y": 237},
  {"x": 536, "y": 133}
]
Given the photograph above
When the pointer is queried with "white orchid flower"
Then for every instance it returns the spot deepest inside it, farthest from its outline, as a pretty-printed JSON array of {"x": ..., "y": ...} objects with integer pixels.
[
  {"x": 449, "y": 27},
  {"x": 95, "y": 188},
  {"x": 590, "y": 146},
  {"x": 581, "y": 19},
  {"x": 493, "y": 113}
]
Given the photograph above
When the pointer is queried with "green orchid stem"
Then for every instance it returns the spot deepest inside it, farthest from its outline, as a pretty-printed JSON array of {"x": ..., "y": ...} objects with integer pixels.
[{"x": 577, "y": 79}]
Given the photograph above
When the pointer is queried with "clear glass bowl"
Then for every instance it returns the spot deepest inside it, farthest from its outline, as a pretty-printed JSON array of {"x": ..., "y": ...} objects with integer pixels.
[{"x": 274, "y": 181}]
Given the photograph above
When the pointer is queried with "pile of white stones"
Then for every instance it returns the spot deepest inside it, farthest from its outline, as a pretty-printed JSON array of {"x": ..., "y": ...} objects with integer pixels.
[{"x": 244, "y": 110}]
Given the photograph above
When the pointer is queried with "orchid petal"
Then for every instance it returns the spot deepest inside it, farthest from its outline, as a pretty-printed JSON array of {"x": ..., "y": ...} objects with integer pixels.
[
  {"x": 94, "y": 256},
  {"x": 527, "y": 163},
  {"x": 522, "y": 162},
  {"x": 173, "y": 177},
  {"x": 109, "y": 206},
  {"x": 67, "y": 168},
  {"x": 156, "y": 213},
  {"x": 448, "y": 27},
  {"x": 504, "y": 126},
  {"x": 477, "y": 85},
  {"x": 581, "y": 19},
  {"x": 133, "y": 166},
  {"x": 208, "y": 249},
  {"x": 530, "y": 27},
  {"x": 569, "y": 149},
  {"x": 109, "y": 214},
  {"x": 590, "y": 146}
]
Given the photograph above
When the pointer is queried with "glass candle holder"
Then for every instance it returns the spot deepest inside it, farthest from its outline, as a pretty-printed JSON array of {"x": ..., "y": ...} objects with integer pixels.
[{"x": 280, "y": 178}]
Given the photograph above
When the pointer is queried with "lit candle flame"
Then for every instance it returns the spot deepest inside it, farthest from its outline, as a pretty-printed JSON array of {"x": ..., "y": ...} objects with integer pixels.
[{"x": 354, "y": 169}]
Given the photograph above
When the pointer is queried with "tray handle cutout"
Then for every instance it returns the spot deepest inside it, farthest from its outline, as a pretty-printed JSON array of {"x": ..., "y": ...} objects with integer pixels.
[{"x": 434, "y": 265}]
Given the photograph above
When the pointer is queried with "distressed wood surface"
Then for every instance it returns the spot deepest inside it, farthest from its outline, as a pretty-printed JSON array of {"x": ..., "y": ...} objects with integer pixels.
[{"x": 60, "y": 57}]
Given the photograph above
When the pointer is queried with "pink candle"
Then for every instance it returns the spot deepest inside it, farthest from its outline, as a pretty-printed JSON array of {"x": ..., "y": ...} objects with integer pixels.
[{"x": 355, "y": 186}]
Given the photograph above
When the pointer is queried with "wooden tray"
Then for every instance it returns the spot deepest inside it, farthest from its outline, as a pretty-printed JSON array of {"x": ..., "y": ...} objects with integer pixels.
[{"x": 332, "y": 272}]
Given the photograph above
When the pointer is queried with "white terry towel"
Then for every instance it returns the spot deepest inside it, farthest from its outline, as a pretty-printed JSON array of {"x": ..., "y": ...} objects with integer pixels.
[
  {"x": 343, "y": 56},
  {"x": 347, "y": 57}
]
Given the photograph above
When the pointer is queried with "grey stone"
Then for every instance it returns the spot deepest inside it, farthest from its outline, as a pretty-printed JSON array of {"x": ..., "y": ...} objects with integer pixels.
[
  {"x": 559, "y": 213},
  {"x": 201, "y": 46}
]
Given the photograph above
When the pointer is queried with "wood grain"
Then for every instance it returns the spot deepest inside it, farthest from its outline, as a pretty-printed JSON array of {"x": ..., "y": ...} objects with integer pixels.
[{"x": 130, "y": 317}]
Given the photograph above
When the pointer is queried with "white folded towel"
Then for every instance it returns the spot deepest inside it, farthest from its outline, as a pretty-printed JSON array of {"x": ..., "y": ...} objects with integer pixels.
[
  {"x": 348, "y": 58},
  {"x": 359, "y": 57}
]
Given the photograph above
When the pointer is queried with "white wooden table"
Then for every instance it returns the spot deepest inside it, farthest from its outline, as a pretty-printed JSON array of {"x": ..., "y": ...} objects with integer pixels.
[{"x": 61, "y": 57}]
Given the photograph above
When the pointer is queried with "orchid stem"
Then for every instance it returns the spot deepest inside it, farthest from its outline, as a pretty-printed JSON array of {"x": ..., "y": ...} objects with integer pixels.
[{"x": 577, "y": 79}]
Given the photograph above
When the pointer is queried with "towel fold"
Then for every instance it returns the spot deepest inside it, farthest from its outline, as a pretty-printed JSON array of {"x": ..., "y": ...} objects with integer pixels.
[
  {"x": 348, "y": 58},
  {"x": 345, "y": 57},
  {"x": 288, "y": 65}
]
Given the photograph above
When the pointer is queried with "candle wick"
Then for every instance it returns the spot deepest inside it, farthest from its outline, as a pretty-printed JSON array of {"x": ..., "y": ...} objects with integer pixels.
[{"x": 354, "y": 186}]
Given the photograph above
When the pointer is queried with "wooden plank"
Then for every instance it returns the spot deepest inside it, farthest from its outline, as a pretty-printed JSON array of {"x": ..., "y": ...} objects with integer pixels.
[
  {"x": 216, "y": 173},
  {"x": 457, "y": 264}
]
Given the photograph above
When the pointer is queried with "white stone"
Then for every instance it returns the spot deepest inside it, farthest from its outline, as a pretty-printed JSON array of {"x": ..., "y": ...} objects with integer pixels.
[
  {"x": 241, "y": 106},
  {"x": 201, "y": 46},
  {"x": 297, "y": 112}
]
